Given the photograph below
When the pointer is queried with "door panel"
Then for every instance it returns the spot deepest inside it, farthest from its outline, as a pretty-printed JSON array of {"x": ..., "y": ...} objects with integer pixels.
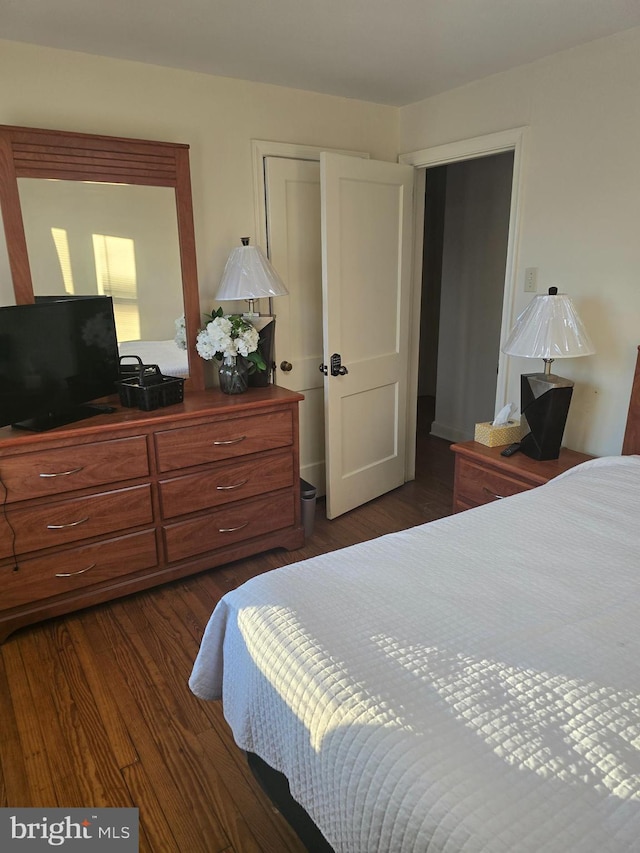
[
  {"x": 367, "y": 236},
  {"x": 293, "y": 228}
]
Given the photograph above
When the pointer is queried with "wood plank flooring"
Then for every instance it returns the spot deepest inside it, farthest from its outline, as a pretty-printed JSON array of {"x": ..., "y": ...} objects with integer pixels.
[{"x": 95, "y": 709}]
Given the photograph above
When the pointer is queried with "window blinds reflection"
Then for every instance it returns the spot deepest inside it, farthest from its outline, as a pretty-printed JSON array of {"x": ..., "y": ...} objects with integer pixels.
[
  {"x": 61, "y": 242},
  {"x": 116, "y": 276}
]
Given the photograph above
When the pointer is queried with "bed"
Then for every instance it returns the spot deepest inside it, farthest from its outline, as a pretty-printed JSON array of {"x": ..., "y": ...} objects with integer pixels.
[
  {"x": 471, "y": 684},
  {"x": 171, "y": 360}
]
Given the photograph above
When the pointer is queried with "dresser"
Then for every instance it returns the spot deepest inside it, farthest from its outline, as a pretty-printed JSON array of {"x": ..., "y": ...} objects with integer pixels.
[
  {"x": 124, "y": 501},
  {"x": 482, "y": 475}
]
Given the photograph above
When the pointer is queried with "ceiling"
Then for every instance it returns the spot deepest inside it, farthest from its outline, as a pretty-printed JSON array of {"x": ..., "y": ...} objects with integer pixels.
[{"x": 386, "y": 51}]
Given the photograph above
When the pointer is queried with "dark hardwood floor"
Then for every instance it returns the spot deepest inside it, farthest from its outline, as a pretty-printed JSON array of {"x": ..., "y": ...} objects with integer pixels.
[{"x": 95, "y": 709}]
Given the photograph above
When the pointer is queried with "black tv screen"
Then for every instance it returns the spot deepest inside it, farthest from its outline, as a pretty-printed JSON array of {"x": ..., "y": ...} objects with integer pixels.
[{"x": 56, "y": 356}]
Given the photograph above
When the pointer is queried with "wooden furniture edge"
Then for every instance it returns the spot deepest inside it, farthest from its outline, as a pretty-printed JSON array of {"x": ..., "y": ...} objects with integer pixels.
[
  {"x": 631, "y": 442},
  {"x": 519, "y": 466},
  {"x": 196, "y": 403}
]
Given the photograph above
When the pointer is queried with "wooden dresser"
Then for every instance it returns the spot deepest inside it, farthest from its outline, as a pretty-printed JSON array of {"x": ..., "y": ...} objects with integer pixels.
[
  {"x": 482, "y": 475},
  {"x": 125, "y": 501}
]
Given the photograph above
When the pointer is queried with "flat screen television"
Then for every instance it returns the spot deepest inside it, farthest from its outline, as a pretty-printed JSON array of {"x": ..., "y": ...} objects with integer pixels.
[{"x": 57, "y": 356}]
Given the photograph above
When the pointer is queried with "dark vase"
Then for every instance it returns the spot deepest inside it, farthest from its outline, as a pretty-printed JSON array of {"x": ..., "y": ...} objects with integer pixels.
[{"x": 234, "y": 378}]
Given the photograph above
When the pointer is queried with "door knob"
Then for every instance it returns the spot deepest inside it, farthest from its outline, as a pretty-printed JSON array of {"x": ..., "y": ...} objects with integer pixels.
[
  {"x": 337, "y": 367},
  {"x": 286, "y": 366}
]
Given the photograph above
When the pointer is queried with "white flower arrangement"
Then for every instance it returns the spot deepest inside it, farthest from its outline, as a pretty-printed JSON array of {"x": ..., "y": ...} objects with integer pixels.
[
  {"x": 181, "y": 333},
  {"x": 226, "y": 338}
]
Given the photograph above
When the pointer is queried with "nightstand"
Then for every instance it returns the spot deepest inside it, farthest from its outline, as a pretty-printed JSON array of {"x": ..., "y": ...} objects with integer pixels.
[{"x": 482, "y": 475}]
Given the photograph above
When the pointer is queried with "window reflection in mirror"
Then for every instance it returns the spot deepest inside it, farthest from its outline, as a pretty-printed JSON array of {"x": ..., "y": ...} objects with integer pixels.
[{"x": 112, "y": 239}]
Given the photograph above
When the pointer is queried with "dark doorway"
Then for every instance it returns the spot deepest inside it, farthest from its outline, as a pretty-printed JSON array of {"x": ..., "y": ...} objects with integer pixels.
[{"x": 467, "y": 211}]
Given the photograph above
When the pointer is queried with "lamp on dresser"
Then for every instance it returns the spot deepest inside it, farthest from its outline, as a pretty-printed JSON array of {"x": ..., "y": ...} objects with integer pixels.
[
  {"x": 549, "y": 328},
  {"x": 249, "y": 275}
]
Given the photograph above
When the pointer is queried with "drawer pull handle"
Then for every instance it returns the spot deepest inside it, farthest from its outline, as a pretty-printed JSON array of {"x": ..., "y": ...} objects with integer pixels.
[
  {"x": 69, "y": 524},
  {"x": 235, "y": 486},
  {"x": 62, "y": 473},
  {"x": 231, "y": 441},
  {"x": 493, "y": 494},
  {"x": 232, "y": 529},
  {"x": 72, "y": 574}
]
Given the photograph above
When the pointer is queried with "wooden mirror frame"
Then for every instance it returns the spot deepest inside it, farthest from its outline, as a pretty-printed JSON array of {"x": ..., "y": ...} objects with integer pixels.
[{"x": 34, "y": 153}]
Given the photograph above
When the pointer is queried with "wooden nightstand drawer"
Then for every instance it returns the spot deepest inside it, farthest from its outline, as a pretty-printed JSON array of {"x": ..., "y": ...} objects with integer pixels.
[
  {"x": 477, "y": 485},
  {"x": 483, "y": 475},
  {"x": 223, "y": 439}
]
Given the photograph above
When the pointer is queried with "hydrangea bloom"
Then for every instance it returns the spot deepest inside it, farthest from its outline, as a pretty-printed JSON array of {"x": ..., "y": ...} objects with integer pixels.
[
  {"x": 181, "y": 333},
  {"x": 225, "y": 338}
]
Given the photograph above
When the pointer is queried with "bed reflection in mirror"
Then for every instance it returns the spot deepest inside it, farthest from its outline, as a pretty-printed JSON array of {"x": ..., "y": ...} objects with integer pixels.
[{"x": 116, "y": 240}]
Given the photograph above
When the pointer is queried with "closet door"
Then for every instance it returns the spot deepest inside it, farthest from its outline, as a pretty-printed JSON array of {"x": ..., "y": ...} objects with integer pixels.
[
  {"x": 367, "y": 233},
  {"x": 292, "y": 190}
]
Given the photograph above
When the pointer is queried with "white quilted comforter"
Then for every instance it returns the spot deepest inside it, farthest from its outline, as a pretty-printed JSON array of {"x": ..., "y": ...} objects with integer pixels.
[{"x": 472, "y": 684}]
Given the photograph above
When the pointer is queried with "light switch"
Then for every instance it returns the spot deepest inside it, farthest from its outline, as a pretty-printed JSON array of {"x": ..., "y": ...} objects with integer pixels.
[{"x": 531, "y": 280}]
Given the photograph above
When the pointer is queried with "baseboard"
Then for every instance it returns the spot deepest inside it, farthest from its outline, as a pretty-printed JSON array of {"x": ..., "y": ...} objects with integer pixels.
[{"x": 449, "y": 433}]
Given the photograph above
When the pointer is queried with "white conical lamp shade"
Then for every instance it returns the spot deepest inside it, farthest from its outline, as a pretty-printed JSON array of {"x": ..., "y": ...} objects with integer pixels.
[
  {"x": 550, "y": 328},
  {"x": 248, "y": 274}
]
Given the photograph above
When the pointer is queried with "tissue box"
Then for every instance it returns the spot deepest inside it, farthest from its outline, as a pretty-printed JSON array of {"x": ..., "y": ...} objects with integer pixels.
[{"x": 493, "y": 436}]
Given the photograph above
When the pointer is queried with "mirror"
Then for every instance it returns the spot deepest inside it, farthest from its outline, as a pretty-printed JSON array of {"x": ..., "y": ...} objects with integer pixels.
[{"x": 90, "y": 214}]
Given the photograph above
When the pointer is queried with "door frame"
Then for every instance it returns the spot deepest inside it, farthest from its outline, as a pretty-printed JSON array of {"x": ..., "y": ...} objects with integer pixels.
[{"x": 441, "y": 155}]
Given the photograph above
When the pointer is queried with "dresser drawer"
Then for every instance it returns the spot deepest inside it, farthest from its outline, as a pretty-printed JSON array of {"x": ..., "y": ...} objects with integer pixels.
[
  {"x": 226, "y": 482},
  {"x": 229, "y": 525},
  {"x": 50, "y": 472},
  {"x": 39, "y": 578},
  {"x": 61, "y": 522},
  {"x": 223, "y": 439},
  {"x": 476, "y": 485}
]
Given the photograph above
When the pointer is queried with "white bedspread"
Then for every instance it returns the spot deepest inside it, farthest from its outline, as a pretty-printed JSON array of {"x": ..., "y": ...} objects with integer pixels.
[
  {"x": 472, "y": 684},
  {"x": 171, "y": 360}
]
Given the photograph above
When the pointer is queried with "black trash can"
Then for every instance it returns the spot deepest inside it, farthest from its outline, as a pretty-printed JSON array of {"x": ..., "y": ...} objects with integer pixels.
[{"x": 308, "y": 506}]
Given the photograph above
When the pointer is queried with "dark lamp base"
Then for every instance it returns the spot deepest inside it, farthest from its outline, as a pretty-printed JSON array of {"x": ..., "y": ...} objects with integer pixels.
[
  {"x": 544, "y": 401},
  {"x": 262, "y": 378}
]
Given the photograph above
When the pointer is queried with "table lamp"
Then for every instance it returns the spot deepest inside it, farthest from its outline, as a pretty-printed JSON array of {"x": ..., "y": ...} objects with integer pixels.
[
  {"x": 549, "y": 328},
  {"x": 248, "y": 275}
]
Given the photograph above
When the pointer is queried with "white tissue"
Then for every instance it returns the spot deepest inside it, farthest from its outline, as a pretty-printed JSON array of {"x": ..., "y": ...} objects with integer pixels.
[{"x": 503, "y": 418}]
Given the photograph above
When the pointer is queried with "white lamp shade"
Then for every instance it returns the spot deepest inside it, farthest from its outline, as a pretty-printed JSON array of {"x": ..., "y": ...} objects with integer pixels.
[
  {"x": 248, "y": 274},
  {"x": 550, "y": 328}
]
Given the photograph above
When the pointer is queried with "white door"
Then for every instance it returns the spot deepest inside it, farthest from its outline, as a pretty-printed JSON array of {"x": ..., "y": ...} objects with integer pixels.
[
  {"x": 292, "y": 190},
  {"x": 367, "y": 232}
]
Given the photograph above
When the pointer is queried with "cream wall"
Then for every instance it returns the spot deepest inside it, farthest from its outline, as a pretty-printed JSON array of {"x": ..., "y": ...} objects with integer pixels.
[
  {"x": 580, "y": 221},
  {"x": 216, "y": 116}
]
